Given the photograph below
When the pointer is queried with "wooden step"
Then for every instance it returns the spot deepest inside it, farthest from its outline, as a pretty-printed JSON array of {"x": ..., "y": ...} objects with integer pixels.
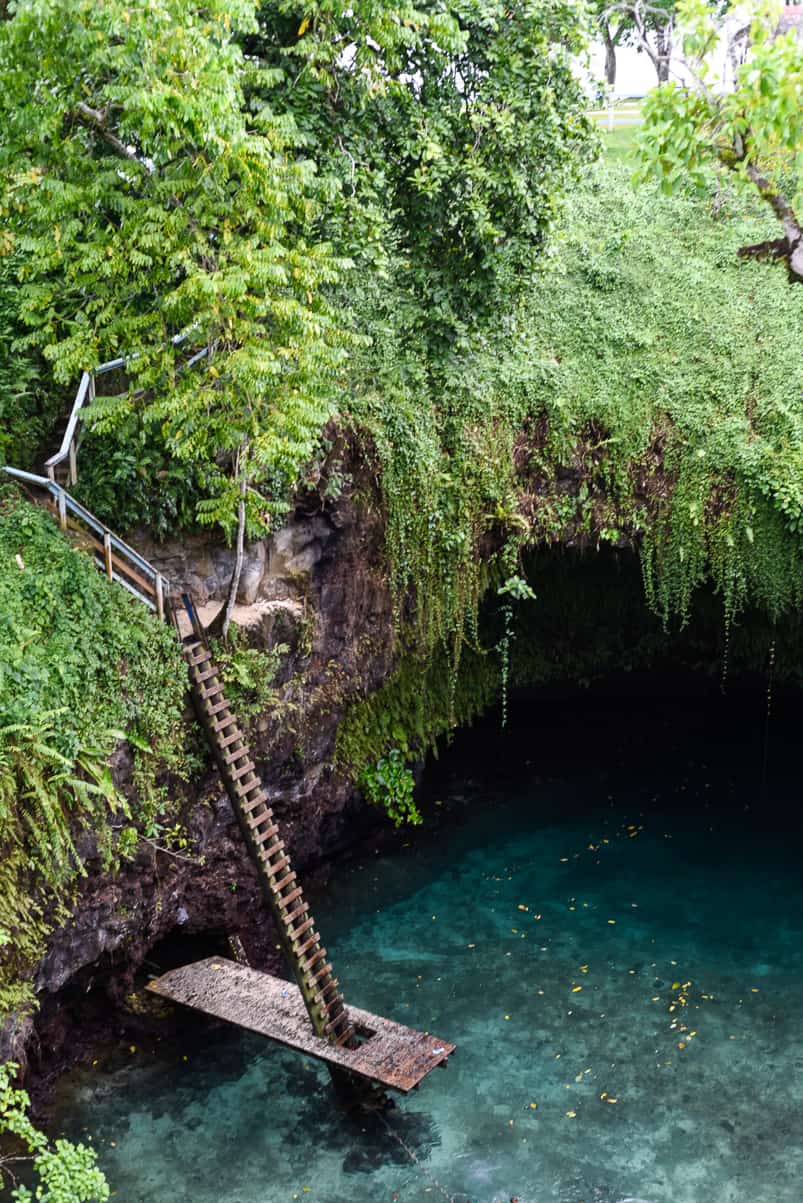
[
  {"x": 266, "y": 854},
  {"x": 231, "y": 738},
  {"x": 280, "y": 885},
  {"x": 249, "y": 804},
  {"x": 291, "y": 897},
  {"x": 216, "y": 709},
  {"x": 336, "y": 1023},
  {"x": 322, "y": 972},
  {"x": 200, "y": 677},
  {"x": 302, "y": 948},
  {"x": 319, "y": 997},
  {"x": 235, "y": 755},
  {"x": 318, "y": 955},
  {"x": 242, "y": 771},
  {"x": 277, "y": 868},
  {"x": 300, "y": 910},
  {"x": 302, "y": 927},
  {"x": 212, "y": 692}
]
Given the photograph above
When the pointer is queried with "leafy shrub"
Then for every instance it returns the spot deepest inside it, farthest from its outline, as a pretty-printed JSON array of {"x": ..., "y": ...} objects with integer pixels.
[
  {"x": 82, "y": 665},
  {"x": 66, "y": 1172},
  {"x": 389, "y": 784}
]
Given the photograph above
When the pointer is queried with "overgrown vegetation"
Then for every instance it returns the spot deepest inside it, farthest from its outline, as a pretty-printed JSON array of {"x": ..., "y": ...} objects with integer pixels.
[
  {"x": 82, "y": 666},
  {"x": 65, "y": 1172},
  {"x": 642, "y": 395},
  {"x": 372, "y": 212}
]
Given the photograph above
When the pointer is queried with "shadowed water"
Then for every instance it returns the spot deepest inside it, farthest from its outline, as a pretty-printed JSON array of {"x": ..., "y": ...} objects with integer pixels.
[{"x": 611, "y": 935}]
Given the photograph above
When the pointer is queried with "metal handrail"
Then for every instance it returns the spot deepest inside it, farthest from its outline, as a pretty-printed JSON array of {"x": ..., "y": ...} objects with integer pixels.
[
  {"x": 127, "y": 557},
  {"x": 86, "y": 390}
]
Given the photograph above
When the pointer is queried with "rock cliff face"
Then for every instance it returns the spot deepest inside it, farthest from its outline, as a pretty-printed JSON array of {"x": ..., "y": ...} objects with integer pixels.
[{"x": 319, "y": 587}]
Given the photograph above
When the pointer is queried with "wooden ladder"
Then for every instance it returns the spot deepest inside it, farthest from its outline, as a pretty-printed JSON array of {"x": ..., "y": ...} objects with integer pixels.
[{"x": 299, "y": 936}]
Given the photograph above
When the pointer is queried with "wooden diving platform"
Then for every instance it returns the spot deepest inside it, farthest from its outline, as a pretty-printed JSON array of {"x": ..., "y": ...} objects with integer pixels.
[{"x": 389, "y": 1053}]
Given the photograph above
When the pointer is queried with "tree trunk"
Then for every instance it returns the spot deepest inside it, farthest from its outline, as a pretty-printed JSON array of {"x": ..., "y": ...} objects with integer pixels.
[
  {"x": 234, "y": 583},
  {"x": 610, "y": 58},
  {"x": 663, "y": 43}
]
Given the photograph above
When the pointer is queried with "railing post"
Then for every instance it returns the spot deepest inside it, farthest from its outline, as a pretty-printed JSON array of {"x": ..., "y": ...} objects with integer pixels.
[
  {"x": 73, "y": 475},
  {"x": 107, "y": 554},
  {"x": 51, "y": 473},
  {"x": 160, "y": 597},
  {"x": 62, "y": 503}
]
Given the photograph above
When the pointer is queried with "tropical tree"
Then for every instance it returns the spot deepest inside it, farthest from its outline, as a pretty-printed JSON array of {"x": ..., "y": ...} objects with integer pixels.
[
  {"x": 144, "y": 200},
  {"x": 449, "y": 134},
  {"x": 752, "y": 130},
  {"x": 225, "y": 178}
]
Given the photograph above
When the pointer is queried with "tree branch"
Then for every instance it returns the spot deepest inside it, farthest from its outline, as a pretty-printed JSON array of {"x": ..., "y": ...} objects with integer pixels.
[{"x": 96, "y": 119}]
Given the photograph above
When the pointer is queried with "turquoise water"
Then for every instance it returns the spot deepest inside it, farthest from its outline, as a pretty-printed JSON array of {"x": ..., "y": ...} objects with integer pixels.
[{"x": 612, "y": 934}]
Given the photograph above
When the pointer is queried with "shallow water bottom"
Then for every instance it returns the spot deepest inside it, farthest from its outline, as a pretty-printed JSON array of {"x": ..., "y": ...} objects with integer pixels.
[{"x": 618, "y": 956}]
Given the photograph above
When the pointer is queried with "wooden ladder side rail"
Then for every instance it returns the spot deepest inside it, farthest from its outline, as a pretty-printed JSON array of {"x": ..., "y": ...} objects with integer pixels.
[{"x": 298, "y": 934}]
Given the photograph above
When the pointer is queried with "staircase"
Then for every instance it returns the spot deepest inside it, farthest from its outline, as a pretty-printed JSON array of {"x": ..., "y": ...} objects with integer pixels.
[{"x": 299, "y": 937}]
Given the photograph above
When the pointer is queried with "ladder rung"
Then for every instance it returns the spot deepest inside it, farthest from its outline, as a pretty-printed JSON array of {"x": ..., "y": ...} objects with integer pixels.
[
  {"x": 291, "y": 876},
  {"x": 276, "y": 846},
  {"x": 319, "y": 954},
  {"x": 232, "y": 757},
  {"x": 201, "y": 658},
  {"x": 302, "y": 927},
  {"x": 322, "y": 972},
  {"x": 222, "y": 725},
  {"x": 204, "y": 676},
  {"x": 231, "y": 738},
  {"x": 321, "y": 994},
  {"x": 344, "y": 1037},
  {"x": 313, "y": 939},
  {"x": 291, "y": 897},
  {"x": 255, "y": 822},
  {"x": 337, "y": 1022},
  {"x": 216, "y": 709},
  {"x": 212, "y": 692},
  {"x": 255, "y": 818},
  {"x": 250, "y": 804},
  {"x": 277, "y": 868},
  {"x": 295, "y": 914},
  {"x": 248, "y": 767}
]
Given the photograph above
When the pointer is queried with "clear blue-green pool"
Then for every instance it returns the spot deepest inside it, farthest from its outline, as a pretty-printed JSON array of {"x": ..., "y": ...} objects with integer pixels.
[{"x": 610, "y": 928}]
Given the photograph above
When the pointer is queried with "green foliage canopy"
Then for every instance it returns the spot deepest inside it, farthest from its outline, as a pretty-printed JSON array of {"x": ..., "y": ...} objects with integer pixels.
[{"x": 144, "y": 199}]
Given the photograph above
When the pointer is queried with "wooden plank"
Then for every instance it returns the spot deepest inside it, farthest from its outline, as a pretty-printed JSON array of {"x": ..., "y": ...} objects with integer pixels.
[{"x": 396, "y": 1056}]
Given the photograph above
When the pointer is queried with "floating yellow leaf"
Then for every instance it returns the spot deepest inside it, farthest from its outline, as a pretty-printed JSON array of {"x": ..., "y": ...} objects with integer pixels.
[
  {"x": 302, "y": 29},
  {"x": 534, "y": 1106},
  {"x": 571, "y": 1114},
  {"x": 576, "y": 989}
]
